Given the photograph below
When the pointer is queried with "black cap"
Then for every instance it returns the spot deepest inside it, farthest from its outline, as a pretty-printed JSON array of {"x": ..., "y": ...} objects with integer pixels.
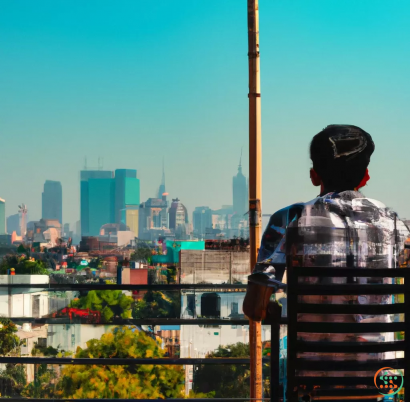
[
  {"x": 340, "y": 154},
  {"x": 343, "y": 141}
]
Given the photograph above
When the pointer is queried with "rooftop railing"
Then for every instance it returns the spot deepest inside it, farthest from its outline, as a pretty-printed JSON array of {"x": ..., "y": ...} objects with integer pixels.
[{"x": 56, "y": 318}]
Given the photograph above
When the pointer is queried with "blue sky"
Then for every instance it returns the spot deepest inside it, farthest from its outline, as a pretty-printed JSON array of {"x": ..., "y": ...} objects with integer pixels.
[{"x": 133, "y": 81}]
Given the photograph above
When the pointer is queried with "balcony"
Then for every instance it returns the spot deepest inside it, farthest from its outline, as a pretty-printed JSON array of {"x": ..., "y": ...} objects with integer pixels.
[{"x": 96, "y": 341}]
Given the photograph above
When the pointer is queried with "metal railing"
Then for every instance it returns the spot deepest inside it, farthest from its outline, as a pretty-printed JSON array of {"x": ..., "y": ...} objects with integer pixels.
[{"x": 65, "y": 361}]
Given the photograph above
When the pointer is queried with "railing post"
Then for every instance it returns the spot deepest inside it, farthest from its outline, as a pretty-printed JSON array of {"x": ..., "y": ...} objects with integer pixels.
[{"x": 273, "y": 316}]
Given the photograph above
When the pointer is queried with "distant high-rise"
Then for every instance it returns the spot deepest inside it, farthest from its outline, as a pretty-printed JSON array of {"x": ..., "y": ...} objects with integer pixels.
[
  {"x": 97, "y": 200},
  {"x": 2, "y": 216},
  {"x": 178, "y": 215},
  {"x": 240, "y": 192},
  {"x": 23, "y": 220},
  {"x": 52, "y": 201},
  {"x": 127, "y": 197},
  {"x": 202, "y": 220},
  {"x": 161, "y": 189},
  {"x": 108, "y": 198},
  {"x": 153, "y": 214},
  {"x": 13, "y": 224}
]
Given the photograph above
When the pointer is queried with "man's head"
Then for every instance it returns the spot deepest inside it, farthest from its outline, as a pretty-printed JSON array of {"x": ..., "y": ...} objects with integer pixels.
[{"x": 340, "y": 156}]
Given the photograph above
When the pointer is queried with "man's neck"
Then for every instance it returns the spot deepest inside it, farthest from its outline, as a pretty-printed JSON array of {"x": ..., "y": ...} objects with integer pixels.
[{"x": 327, "y": 190}]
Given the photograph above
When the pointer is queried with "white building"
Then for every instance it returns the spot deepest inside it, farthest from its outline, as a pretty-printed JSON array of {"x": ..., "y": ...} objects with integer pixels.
[
  {"x": 26, "y": 302},
  {"x": 69, "y": 337}
]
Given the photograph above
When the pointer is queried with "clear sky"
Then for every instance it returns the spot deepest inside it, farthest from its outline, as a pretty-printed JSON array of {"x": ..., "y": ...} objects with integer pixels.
[{"x": 133, "y": 81}]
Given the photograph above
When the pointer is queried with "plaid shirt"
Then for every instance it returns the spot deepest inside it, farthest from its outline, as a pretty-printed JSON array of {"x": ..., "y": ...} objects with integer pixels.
[{"x": 340, "y": 230}]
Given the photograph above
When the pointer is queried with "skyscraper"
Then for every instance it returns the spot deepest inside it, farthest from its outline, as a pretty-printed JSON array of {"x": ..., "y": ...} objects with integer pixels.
[
  {"x": 108, "y": 198},
  {"x": 153, "y": 214},
  {"x": 13, "y": 224},
  {"x": 96, "y": 196},
  {"x": 127, "y": 194},
  {"x": 240, "y": 192},
  {"x": 202, "y": 220},
  {"x": 2, "y": 216},
  {"x": 178, "y": 215},
  {"x": 52, "y": 201}
]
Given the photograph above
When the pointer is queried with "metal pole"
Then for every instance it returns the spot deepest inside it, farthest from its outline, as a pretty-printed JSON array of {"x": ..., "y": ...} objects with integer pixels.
[{"x": 255, "y": 184}]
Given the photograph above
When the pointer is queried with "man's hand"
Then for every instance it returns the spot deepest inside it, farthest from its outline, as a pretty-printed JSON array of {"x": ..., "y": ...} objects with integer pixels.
[{"x": 256, "y": 301}]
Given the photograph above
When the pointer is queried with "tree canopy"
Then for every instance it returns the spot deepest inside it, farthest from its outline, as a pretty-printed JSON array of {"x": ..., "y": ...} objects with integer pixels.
[
  {"x": 22, "y": 265},
  {"x": 128, "y": 382},
  {"x": 8, "y": 338},
  {"x": 12, "y": 378},
  {"x": 226, "y": 381},
  {"x": 142, "y": 253},
  {"x": 111, "y": 303},
  {"x": 158, "y": 304}
]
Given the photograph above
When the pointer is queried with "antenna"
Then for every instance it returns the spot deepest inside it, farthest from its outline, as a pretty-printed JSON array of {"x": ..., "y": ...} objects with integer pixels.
[{"x": 85, "y": 163}]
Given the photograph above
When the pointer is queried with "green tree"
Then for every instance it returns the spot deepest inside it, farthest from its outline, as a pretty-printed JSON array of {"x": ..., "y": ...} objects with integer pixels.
[
  {"x": 158, "y": 304},
  {"x": 142, "y": 253},
  {"x": 226, "y": 381},
  {"x": 8, "y": 338},
  {"x": 11, "y": 377},
  {"x": 12, "y": 380},
  {"x": 22, "y": 265},
  {"x": 128, "y": 382},
  {"x": 111, "y": 303},
  {"x": 45, "y": 378}
]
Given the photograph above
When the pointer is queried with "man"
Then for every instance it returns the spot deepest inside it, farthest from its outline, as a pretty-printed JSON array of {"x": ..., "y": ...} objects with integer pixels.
[{"x": 350, "y": 230}]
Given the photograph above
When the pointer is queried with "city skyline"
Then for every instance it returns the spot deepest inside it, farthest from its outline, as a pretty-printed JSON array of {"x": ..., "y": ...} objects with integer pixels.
[{"x": 80, "y": 84}]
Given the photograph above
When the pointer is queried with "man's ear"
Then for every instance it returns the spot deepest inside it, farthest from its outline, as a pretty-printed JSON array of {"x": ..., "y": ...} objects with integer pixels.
[{"x": 316, "y": 180}]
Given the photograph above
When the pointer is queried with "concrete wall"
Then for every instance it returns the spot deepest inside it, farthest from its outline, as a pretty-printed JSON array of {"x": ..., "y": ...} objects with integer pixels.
[{"x": 215, "y": 267}]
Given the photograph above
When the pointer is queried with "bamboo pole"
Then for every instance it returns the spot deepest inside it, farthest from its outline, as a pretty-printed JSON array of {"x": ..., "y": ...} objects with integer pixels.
[{"x": 255, "y": 184}]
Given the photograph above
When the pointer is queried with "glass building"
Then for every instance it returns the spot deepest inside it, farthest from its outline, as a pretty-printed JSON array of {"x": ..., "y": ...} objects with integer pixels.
[
  {"x": 2, "y": 216},
  {"x": 52, "y": 201},
  {"x": 86, "y": 204},
  {"x": 108, "y": 198}
]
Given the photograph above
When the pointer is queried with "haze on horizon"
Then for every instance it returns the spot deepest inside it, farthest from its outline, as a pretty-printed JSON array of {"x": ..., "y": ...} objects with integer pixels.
[{"x": 133, "y": 82}]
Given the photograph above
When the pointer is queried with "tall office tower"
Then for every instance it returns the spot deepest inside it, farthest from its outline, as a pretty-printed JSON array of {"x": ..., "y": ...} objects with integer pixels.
[
  {"x": 97, "y": 200},
  {"x": 108, "y": 198},
  {"x": 127, "y": 198},
  {"x": 2, "y": 216},
  {"x": 153, "y": 214},
  {"x": 52, "y": 201},
  {"x": 178, "y": 215},
  {"x": 13, "y": 224},
  {"x": 240, "y": 192},
  {"x": 202, "y": 220}
]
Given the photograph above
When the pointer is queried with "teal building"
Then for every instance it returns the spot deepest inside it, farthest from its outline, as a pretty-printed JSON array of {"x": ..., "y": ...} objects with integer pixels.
[
  {"x": 127, "y": 193},
  {"x": 2, "y": 216},
  {"x": 108, "y": 198},
  {"x": 85, "y": 204},
  {"x": 173, "y": 249}
]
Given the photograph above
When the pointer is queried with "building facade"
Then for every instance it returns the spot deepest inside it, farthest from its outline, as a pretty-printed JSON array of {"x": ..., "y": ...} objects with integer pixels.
[
  {"x": 240, "y": 193},
  {"x": 127, "y": 193},
  {"x": 52, "y": 201},
  {"x": 2, "y": 216},
  {"x": 109, "y": 198},
  {"x": 153, "y": 216},
  {"x": 202, "y": 220},
  {"x": 85, "y": 177},
  {"x": 13, "y": 224},
  {"x": 178, "y": 219}
]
